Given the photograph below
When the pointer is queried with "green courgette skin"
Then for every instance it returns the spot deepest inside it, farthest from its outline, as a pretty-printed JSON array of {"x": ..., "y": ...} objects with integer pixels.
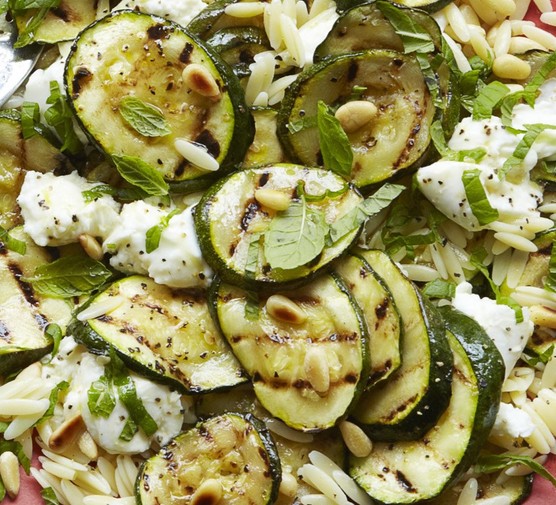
[
  {"x": 234, "y": 133},
  {"x": 164, "y": 475},
  {"x": 426, "y": 5},
  {"x": 219, "y": 224}
]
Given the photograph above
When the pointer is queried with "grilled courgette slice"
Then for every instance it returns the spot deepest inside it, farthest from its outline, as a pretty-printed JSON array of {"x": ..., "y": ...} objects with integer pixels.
[
  {"x": 130, "y": 54},
  {"x": 411, "y": 400},
  {"x": 381, "y": 315},
  {"x": 308, "y": 365},
  {"x": 234, "y": 450},
  {"x": 413, "y": 471},
  {"x": 235, "y": 218},
  {"x": 164, "y": 333},
  {"x": 24, "y": 313},
  {"x": 397, "y": 138}
]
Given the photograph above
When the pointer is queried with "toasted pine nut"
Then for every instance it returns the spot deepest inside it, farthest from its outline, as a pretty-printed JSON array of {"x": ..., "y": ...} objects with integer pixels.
[
  {"x": 355, "y": 114},
  {"x": 543, "y": 316},
  {"x": 66, "y": 433},
  {"x": 281, "y": 308},
  {"x": 509, "y": 66},
  {"x": 288, "y": 485},
  {"x": 272, "y": 198},
  {"x": 208, "y": 493},
  {"x": 88, "y": 446},
  {"x": 199, "y": 79},
  {"x": 317, "y": 370},
  {"x": 91, "y": 246},
  {"x": 356, "y": 440},
  {"x": 9, "y": 471}
]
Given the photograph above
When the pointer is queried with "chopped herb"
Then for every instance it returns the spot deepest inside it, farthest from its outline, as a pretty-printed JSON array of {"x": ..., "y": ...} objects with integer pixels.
[
  {"x": 49, "y": 496},
  {"x": 550, "y": 280},
  {"x": 54, "y": 332},
  {"x": 302, "y": 124},
  {"x": 488, "y": 98},
  {"x": 414, "y": 37},
  {"x": 53, "y": 400},
  {"x": 439, "y": 140},
  {"x": 144, "y": 117},
  {"x": 20, "y": 7},
  {"x": 30, "y": 117},
  {"x": 295, "y": 236},
  {"x": 139, "y": 173},
  {"x": 60, "y": 117},
  {"x": 544, "y": 357},
  {"x": 154, "y": 233},
  {"x": 252, "y": 310},
  {"x": 490, "y": 463},
  {"x": 477, "y": 198},
  {"x": 100, "y": 397},
  {"x": 129, "y": 430},
  {"x": 334, "y": 143},
  {"x": 439, "y": 288},
  {"x": 69, "y": 276},
  {"x": 97, "y": 192}
]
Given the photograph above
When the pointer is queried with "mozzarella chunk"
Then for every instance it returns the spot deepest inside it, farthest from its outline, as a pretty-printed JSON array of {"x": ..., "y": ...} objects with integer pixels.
[
  {"x": 181, "y": 12},
  {"x": 512, "y": 422},
  {"x": 499, "y": 322},
  {"x": 55, "y": 211}
]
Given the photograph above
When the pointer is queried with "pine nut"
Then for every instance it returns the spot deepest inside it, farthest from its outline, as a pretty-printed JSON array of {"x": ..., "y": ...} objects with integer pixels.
[
  {"x": 208, "y": 493},
  {"x": 356, "y": 440},
  {"x": 88, "y": 446},
  {"x": 317, "y": 370},
  {"x": 272, "y": 198},
  {"x": 543, "y": 316},
  {"x": 199, "y": 79},
  {"x": 288, "y": 485},
  {"x": 509, "y": 66},
  {"x": 283, "y": 309},
  {"x": 91, "y": 246},
  {"x": 9, "y": 471},
  {"x": 355, "y": 114},
  {"x": 66, "y": 433}
]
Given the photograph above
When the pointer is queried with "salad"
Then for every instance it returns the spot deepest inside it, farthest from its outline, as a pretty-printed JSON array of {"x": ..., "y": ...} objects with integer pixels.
[{"x": 279, "y": 252}]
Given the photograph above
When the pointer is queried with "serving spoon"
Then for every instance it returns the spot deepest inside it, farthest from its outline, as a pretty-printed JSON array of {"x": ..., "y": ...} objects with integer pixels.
[{"x": 15, "y": 64}]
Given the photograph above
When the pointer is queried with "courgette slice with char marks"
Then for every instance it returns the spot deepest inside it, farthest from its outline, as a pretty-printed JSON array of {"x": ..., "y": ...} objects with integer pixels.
[
  {"x": 398, "y": 136},
  {"x": 166, "y": 334},
  {"x": 129, "y": 54},
  {"x": 24, "y": 313},
  {"x": 233, "y": 218},
  {"x": 426, "y": 5},
  {"x": 381, "y": 315},
  {"x": 18, "y": 154},
  {"x": 414, "y": 471},
  {"x": 410, "y": 401},
  {"x": 61, "y": 23},
  {"x": 308, "y": 364},
  {"x": 227, "y": 459}
]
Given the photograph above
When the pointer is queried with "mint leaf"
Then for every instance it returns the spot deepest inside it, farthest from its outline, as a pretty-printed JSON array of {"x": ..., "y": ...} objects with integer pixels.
[
  {"x": 19, "y": 7},
  {"x": 154, "y": 233},
  {"x": 301, "y": 124},
  {"x": 60, "y": 117},
  {"x": 440, "y": 288},
  {"x": 54, "y": 332},
  {"x": 531, "y": 88},
  {"x": 12, "y": 243},
  {"x": 369, "y": 207},
  {"x": 49, "y": 496},
  {"x": 488, "y": 98},
  {"x": 129, "y": 430},
  {"x": 334, "y": 143},
  {"x": 144, "y": 117},
  {"x": 490, "y": 463},
  {"x": 69, "y": 276},
  {"x": 439, "y": 141},
  {"x": 98, "y": 191},
  {"x": 53, "y": 400},
  {"x": 30, "y": 117},
  {"x": 295, "y": 236},
  {"x": 544, "y": 357},
  {"x": 414, "y": 37},
  {"x": 550, "y": 280},
  {"x": 139, "y": 173},
  {"x": 477, "y": 198},
  {"x": 532, "y": 131},
  {"x": 100, "y": 398}
]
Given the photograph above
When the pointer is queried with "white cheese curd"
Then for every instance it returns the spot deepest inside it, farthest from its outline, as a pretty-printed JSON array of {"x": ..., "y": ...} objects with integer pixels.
[
  {"x": 512, "y": 422},
  {"x": 178, "y": 261},
  {"x": 543, "y": 112},
  {"x": 128, "y": 240},
  {"x": 55, "y": 212},
  {"x": 80, "y": 368},
  {"x": 491, "y": 135},
  {"x": 499, "y": 322},
  {"x": 181, "y": 12}
]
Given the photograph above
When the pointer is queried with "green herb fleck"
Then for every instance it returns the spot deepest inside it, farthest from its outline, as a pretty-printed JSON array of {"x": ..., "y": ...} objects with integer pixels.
[
  {"x": 335, "y": 146},
  {"x": 144, "y": 117},
  {"x": 477, "y": 198},
  {"x": 139, "y": 173},
  {"x": 154, "y": 233}
]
